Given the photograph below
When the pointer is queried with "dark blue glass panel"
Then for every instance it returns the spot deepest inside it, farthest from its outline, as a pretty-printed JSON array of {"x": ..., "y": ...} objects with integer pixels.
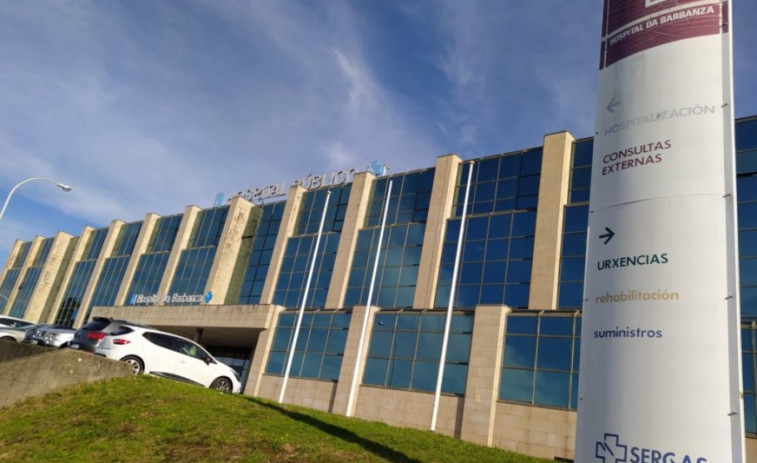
[
  {"x": 746, "y": 162},
  {"x": 554, "y": 353},
  {"x": 572, "y": 269},
  {"x": 531, "y": 164},
  {"x": 375, "y": 371},
  {"x": 524, "y": 224},
  {"x": 331, "y": 366},
  {"x": 276, "y": 363},
  {"x": 748, "y": 243},
  {"x": 509, "y": 166},
  {"x": 748, "y": 272},
  {"x": 576, "y": 218},
  {"x": 519, "y": 271},
  {"x": 582, "y": 153},
  {"x": 746, "y": 187},
  {"x": 748, "y": 302},
  {"x": 747, "y": 368},
  {"x": 750, "y": 424},
  {"x": 516, "y": 385},
  {"x": 381, "y": 344},
  {"x": 336, "y": 342},
  {"x": 462, "y": 324},
  {"x": 746, "y": 340},
  {"x": 459, "y": 348},
  {"x": 455, "y": 377},
  {"x": 574, "y": 244},
  {"x": 579, "y": 196},
  {"x": 580, "y": 178},
  {"x": 552, "y": 389},
  {"x": 520, "y": 351},
  {"x": 521, "y": 248},
  {"x": 404, "y": 344},
  {"x": 521, "y": 325},
  {"x": 516, "y": 296},
  {"x": 430, "y": 345},
  {"x": 746, "y": 135},
  {"x": 556, "y": 326},
  {"x": 399, "y": 373},
  {"x": 571, "y": 295},
  {"x": 747, "y": 215},
  {"x": 424, "y": 376}
]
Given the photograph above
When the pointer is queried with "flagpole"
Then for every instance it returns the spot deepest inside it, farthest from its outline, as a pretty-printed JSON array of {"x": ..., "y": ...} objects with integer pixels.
[
  {"x": 293, "y": 344},
  {"x": 451, "y": 303},
  {"x": 366, "y": 316}
]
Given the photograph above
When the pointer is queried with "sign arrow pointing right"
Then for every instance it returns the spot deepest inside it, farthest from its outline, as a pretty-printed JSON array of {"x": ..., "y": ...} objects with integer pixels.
[{"x": 607, "y": 235}]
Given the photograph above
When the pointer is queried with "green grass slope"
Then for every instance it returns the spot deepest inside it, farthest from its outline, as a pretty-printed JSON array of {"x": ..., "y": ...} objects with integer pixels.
[{"x": 145, "y": 419}]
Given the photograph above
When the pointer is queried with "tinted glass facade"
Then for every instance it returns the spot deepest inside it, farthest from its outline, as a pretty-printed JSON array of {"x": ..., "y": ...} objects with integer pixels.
[
  {"x": 261, "y": 253},
  {"x": 320, "y": 345},
  {"x": 31, "y": 277},
  {"x": 11, "y": 275},
  {"x": 298, "y": 256},
  {"x": 152, "y": 264},
  {"x": 196, "y": 261},
  {"x": 400, "y": 252},
  {"x": 80, "y": 279},
  {"x": 114, "y": 267},
  {"x": 406, "y": 347}
]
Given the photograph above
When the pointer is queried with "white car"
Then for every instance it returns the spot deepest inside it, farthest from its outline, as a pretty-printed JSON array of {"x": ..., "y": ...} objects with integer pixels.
[
  {"x": 13, "y": 322},
  {"x": 163, "y": 354}
]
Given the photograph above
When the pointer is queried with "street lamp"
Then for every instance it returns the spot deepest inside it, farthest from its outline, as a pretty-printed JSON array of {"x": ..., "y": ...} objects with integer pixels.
[{"x": 62, "y": 186}]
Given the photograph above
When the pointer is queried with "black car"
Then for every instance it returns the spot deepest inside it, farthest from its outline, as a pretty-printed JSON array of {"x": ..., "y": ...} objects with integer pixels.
[{"x": 88, "y": 337}]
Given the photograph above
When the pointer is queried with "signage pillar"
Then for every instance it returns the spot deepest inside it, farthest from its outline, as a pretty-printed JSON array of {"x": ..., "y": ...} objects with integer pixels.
[{"x": 660, "y": 371}]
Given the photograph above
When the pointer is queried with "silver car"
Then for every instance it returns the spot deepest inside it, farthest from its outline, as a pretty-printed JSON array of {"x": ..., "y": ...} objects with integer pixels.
[
  {"x": 14, "y": 334},
  {"x": 50, "y": 335}
]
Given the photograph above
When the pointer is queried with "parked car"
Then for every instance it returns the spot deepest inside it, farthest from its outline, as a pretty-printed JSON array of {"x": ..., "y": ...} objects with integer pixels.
[
  {"x": 13, "y": 322},
  {"x": 89, "y": 336},
  {"x": 49, "y": 335},
  {"x": 148, "y": 350},
  {"x": 14, "y": 334}
]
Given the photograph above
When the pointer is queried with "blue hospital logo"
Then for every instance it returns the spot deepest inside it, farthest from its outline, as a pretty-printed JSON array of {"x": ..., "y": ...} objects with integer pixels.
[
  {"x": 610, "y": 450},
  {"x": 208, "y": 296}
]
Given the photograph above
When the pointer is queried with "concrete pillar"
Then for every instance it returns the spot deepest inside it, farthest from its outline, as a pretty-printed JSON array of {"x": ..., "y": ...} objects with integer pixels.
[
  {"x": 482, "y": 388},
  {"x": 354, "y": 220},
  {"x": 227, "y": 252},
  {"x": 554, "y": 187},
  {"x": 179, "y": 245},
  {"x": 286, "y": 230},
  {"x": 31, "y": 254},
  {"x": 41, "y": 300},
  {"x": 262, "y": 349},
  {"x": 439, "y": 210},
  {"x": 350, "y": 362},
  {"x": 140, "y": 246},
  {"x": 76, "y": 256},
  {"x": 9, "y": 264},
  {"x": 105, "y": 252}
]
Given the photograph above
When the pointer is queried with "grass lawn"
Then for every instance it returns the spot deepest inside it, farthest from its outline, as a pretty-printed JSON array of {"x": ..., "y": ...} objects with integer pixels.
[{"x": 146, "y": 419}]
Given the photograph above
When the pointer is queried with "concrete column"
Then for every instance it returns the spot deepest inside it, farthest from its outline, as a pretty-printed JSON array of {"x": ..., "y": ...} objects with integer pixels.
[
  {"x": 140, "y": 246},
  {"x": 9, "y": 264},
  {"x": 286, "y": 230},
  {"x": 179, "y": 245},
  {"x": 553, "y": 196},
  {"x": 31, "y": 254},
  {"x": 105, "y": 252},
  {"x": 41, "y": 300},
  {"x": 227, "y": 253},
  {"x": 350, "y": 361},
  {"x": 482, "y": 388},
  {"x": 440, "y": 209},
  {"x": 353, "y": 222},
  {"x": 262, "y": 350},
  {"x": 80, "y": 244}
]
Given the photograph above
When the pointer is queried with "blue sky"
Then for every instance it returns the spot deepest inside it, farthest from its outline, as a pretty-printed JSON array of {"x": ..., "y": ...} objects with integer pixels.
[{"x": 149, "y": 106}]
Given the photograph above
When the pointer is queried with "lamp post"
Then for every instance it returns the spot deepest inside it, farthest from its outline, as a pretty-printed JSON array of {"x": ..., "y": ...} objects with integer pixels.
[{"x": 62, "y": 186}]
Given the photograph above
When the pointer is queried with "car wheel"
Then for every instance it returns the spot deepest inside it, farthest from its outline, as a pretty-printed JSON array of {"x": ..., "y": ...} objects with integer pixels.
[
  {"x": 8, "y": 338},
  {"x": 137, "y": 366},
  {"x": 221, "y": 384}
]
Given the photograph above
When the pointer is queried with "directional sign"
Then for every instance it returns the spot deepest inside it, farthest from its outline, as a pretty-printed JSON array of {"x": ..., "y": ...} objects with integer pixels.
[
  {"x": 660, "y": 371},
  {"x": 607, "y": 236}
]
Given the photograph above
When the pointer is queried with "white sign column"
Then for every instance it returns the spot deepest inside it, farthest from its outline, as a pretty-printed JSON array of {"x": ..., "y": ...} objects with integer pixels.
[{"x": 660, "y": 370}]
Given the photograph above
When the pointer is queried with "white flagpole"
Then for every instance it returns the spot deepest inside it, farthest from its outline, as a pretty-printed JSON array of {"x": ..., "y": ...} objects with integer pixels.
[
  {"x": 366, "y": 316},
  {"x": 451, "y": 303},
  {"x": 293, "y": 344}
]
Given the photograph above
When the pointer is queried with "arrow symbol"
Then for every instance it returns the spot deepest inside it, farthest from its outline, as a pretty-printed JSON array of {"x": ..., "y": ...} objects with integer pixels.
[
  {"x": 611, "y": 105},
  {"x": 607, "y": 235}
]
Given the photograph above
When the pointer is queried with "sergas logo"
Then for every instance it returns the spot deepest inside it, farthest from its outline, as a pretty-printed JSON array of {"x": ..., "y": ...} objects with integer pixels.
[{"x": 610, "y": 450}]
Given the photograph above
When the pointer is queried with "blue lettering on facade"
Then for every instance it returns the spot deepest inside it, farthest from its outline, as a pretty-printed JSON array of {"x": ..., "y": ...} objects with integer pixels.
[{"x": 610, "y": 450}]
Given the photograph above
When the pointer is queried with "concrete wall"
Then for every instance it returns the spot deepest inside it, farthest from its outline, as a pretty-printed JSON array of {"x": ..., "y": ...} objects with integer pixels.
[{"x": 30, "y": 371}]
